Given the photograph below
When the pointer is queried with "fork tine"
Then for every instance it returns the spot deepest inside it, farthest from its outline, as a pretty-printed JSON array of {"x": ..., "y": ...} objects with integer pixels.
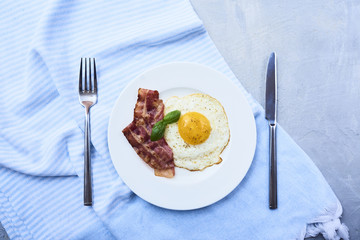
[
  {"x": 80, "y": 77},
  {"x": 95, "y": 77},
  {"x": 90, "y": 84},
  {"x": 86, "y": 79}
]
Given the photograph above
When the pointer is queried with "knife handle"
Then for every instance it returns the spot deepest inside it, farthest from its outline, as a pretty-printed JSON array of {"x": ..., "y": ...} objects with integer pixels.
[{"x": 273, "y": 169}]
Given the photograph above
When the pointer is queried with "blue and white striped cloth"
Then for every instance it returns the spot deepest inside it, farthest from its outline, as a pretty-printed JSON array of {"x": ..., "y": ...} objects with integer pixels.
[{"x": 41, "y": 134}]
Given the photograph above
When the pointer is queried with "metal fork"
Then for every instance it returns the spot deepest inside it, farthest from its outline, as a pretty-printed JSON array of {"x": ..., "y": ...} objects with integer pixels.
[{"x": 87, "y": 98}]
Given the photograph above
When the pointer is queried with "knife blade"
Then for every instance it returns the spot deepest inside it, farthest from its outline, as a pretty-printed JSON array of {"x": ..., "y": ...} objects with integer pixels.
[{"x": 270, "y": 114}]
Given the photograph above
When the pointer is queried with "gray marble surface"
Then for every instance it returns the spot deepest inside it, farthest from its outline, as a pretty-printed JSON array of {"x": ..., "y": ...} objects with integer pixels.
[
  {"x": 3, "y": 235},
  {"x": 318, "y": 48}
]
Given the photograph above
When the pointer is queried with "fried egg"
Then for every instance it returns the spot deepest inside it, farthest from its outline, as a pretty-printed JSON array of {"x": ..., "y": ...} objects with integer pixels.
[{"x": 201, "y": 133}]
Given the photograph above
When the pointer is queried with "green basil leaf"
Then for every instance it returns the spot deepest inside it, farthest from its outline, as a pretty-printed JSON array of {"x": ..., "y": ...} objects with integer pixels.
[
  {"x": 158, "y": 131},
  {"x": 172, "y": 117}
]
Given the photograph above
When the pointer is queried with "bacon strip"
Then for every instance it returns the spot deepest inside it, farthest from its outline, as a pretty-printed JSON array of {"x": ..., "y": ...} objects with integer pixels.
[{"x": 149, "y": 109}]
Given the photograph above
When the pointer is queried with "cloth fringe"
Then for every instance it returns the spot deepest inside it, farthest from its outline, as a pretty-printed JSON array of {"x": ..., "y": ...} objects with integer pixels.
[{"x": 329, "y": 225}]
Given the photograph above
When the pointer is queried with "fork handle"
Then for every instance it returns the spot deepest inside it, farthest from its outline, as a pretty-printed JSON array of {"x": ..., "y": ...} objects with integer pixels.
[{"x": 87, "y": 161}]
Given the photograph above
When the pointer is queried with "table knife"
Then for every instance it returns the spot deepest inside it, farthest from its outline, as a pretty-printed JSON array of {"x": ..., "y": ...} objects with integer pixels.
[{"x": 270, "y": 114}]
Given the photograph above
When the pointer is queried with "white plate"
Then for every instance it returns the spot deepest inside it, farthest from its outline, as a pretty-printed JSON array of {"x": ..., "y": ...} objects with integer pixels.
[{"x": 187, "y": 190}]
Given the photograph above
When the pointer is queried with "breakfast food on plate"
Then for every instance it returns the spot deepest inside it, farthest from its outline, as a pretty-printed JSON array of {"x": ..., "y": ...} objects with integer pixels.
[
  {"x": 201, "y": 133},
  {"x": 192, "y": 135},
  {"x": 149, "y": 109}
]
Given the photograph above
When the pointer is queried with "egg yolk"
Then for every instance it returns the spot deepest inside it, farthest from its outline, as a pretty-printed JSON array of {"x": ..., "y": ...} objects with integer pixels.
[{"x": 194, "y": 128}]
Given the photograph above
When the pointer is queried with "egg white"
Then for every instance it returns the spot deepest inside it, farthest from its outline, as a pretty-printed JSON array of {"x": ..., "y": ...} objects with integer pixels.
[{"x": 201, "y": 156}]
